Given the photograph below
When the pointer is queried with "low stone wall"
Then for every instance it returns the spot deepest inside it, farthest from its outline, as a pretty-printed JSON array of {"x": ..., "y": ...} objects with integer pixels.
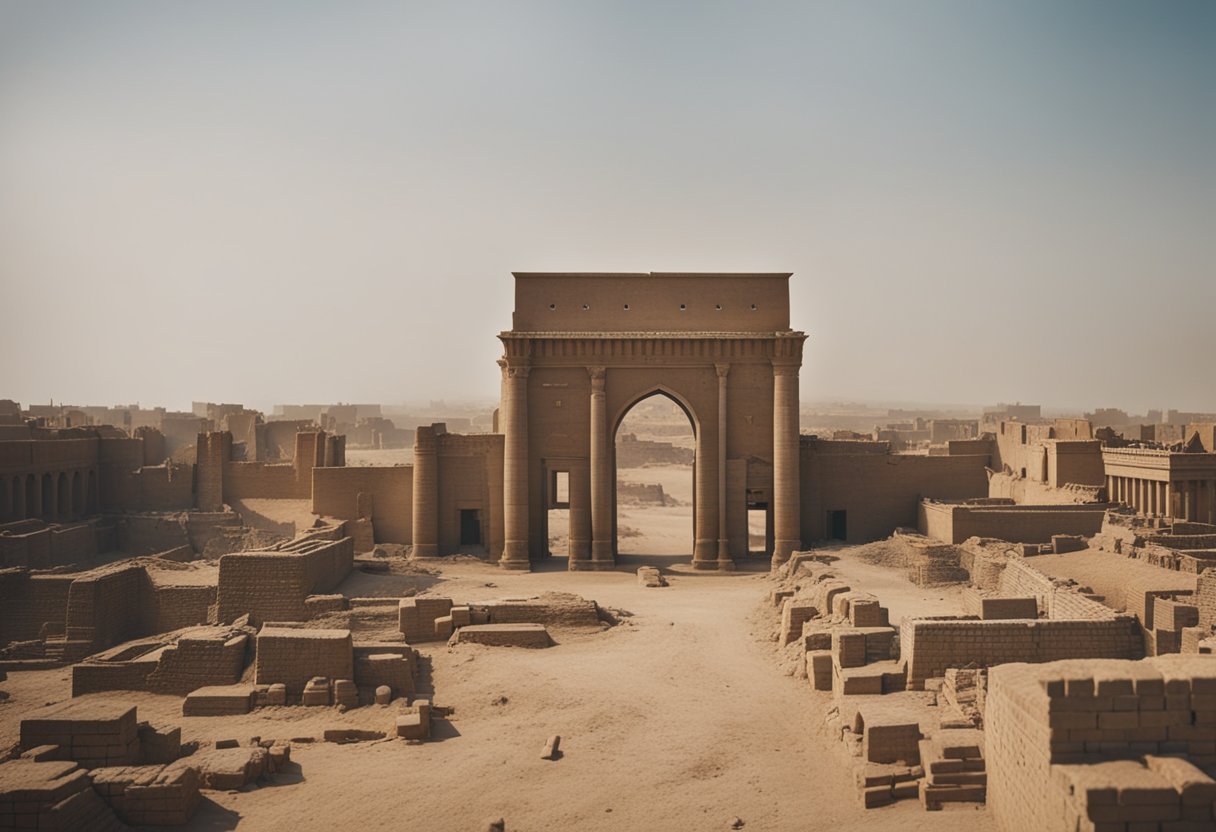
[
  {"x": 954, "y": 523},
  {"x": 291, "y": 656},
  {"x": 1059, "y": 600},
  {"x": 930, "y": 645}
]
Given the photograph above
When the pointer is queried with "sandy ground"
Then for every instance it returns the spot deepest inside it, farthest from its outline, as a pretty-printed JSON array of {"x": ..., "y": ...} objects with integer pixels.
[
  {"x": 676, "y": 719},
  {"x": 651, "y": 529}
]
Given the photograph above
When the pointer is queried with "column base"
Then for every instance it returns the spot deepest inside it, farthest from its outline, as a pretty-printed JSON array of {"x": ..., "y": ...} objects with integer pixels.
[
  {"x": 726, "y": 565},
  {"x": 515, "y": 556},
  {"x": 592, "y": 565},
  {"x": 424, "y": 550},
  {"x": 704, "y": 565}
]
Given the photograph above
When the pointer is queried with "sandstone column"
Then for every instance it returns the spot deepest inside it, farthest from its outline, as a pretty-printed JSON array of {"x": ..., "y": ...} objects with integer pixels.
[
  {"x": 1169, "y": 499},
  {"x": 724, "y": 558},
  {"x": 426, "y": 493},
  {"x": 786, "y": 527},
  {"x": 1188, "y": 502},
  {"x": 705, "y": 509},
  {"x": 601, "y": 473},
  {"x": 515, "y": 468}
]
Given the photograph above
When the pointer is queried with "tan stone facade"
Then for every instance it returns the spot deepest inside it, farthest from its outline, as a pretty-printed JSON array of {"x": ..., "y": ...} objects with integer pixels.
[{"x": 585, "y": 348}]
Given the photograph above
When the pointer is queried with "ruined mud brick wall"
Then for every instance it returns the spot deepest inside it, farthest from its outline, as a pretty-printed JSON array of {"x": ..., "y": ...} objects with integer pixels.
[
  {"x": 106, "y": 607},
  {"x": 28, "y": 602},
  {"x": 277, "y": 439},
  {"x": 243, "y": 480},
  {"x": 94, "y": 733},
  {"x": 384, "y": 664},
  {"x": 999, "y": 608},
  {"x": 416, "y": 617},
  {"x": 879, "y": 491},
  {"x": 1205, "y": 599},
  {"x": 194, "y": 661},
  {"x": 552, "y": 609},
  {"x": 25, "y": 543},
  {"x": 641, "y": 492},
  {"x": 632, "y": 452},
  {"x": 162, "y": 488},
  {"x": 151, "y": 795},
  {"x": 930, "y": 646},
  {"x": 1030, "y": 492},
  {"x": 930, "y": 563},
  {"x": 1057, "y": 599},
  {"x": 470, "y": 477},
  {"x": 38, "y": 545},
  {"x": 51, "y": 795},
  {"x": 291, "y": 657},
  {"x": 335, "y": 493},
  {"x": 175, "y": 607},
  {"x": 213, "y": 450},
  {"x": 92, "y": 676},
  {"x": 1076, "y": 712},
  {"x": 1139, "y": 591},
  {"x": 199, "y": 661},
  {"x": 1021, "y": 524},
  {"x": 272, "y": 586},
  {"x": 147, "y": 534},
  {"x": 220, "y": 479}
]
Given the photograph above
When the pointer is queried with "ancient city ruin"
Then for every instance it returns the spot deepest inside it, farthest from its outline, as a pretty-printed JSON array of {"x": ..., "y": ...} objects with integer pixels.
[{"x": 227, "y": 617}]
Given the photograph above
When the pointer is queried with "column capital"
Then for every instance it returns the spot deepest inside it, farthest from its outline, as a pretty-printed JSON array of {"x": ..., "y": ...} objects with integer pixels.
[
  {"x": 786, "y": 367},
  {"x": 598, "y": 376},
  {"x": 722, "y": 370},
  {"x": 517, "y": 370}
]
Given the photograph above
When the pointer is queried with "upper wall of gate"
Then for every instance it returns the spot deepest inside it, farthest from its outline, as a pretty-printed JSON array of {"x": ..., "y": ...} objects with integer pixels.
[{"x": 646, "y": 302}]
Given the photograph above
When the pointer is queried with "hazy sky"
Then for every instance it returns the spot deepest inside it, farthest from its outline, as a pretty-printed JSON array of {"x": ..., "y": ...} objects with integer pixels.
[{"x": 303, "y": 201}]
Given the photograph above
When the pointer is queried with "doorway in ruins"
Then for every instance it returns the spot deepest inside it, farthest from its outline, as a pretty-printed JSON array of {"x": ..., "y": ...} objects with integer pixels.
[
  {"x": 655, "y": 447},
  {"x": 557, "y": 521}
]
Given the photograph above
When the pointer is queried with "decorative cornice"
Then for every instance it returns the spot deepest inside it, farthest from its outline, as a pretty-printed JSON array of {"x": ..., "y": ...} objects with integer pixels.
[
  {"x": 514, "y": 335},
  {"x": 616, "y": 349}
]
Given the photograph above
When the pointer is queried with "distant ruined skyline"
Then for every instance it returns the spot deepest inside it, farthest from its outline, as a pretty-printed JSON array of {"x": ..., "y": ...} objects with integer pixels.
[{"x": 277, "y": 203}]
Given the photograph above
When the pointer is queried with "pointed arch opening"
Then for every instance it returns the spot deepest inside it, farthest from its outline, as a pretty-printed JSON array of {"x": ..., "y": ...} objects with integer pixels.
[{"x": 654, "y": 443}]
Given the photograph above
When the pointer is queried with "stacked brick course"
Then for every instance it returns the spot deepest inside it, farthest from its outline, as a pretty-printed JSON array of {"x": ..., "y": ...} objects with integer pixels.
[
  {"x": 1048, "y": 724},
  {"x": 51, "y": 796},
  {"x": 153, "y": 795},
  {"x": 273, "y": 586},
  {"x": 930, "y": 646},
  {"x": 94, "y": 734},
  {"x": 504, "y": 635},
  {"x": 292, "y": 656}
]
